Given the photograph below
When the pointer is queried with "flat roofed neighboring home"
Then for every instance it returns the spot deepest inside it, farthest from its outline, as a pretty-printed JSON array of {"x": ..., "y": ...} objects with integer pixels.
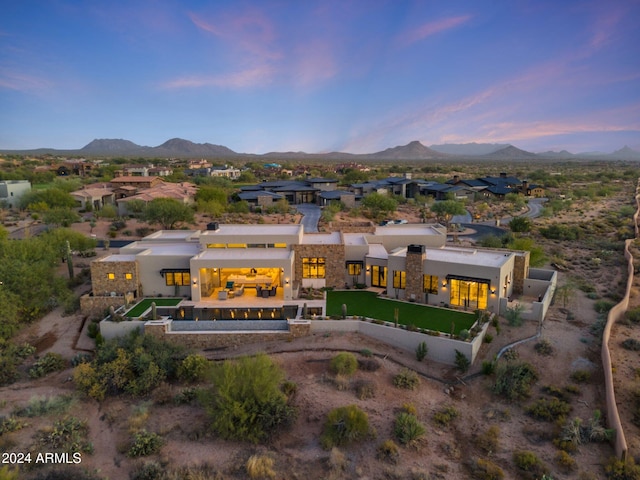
[
  {"x": 138, "y": 182},
  {"x": 322, "y": 184},
  {"x": 96, "y": 196},
  {"x": 270, "y": 263},
  {"x": 225, "y": 171},
  {"x": 12, "y": 190}
]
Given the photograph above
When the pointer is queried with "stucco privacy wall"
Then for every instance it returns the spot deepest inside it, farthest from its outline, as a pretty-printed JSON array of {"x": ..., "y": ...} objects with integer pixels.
[
  {"x": 615, "y": 314},
  {"x": 440, "y": 349}
]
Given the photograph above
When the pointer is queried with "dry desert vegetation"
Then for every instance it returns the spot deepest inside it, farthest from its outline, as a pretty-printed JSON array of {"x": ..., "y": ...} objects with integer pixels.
[{"x": 472, "y": 429}]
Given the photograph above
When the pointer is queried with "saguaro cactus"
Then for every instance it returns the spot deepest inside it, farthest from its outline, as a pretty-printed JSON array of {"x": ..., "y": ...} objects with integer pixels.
[
  {"x": 154, "y": 313},
  {"x": 344, "y": 311}
]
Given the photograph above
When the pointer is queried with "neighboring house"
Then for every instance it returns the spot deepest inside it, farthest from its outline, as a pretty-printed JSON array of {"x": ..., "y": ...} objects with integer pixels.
[
  {"x": 184, "y": 192},
  {"x": 272, "y": 262},
  {"x": 136, "y": 182},
  {"x": 225, "y": 171},
  {"x": 347, "y": 198},
  {"x": 12, "y": 190},
  {"x": 259, "y": 198},
  {"x": 96, "y": 195}
]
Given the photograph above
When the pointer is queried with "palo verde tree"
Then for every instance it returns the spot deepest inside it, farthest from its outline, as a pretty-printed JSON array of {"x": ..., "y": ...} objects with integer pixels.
[
  {"x": 246, "y": 401},
  {"x": 378, "y": 204},
  {"x": 168, "y": 212},
  {"x": 446, "y": 209}
]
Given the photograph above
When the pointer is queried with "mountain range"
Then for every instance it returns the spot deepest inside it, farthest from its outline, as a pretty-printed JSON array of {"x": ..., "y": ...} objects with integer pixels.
[{"x": 180, "y": 148}]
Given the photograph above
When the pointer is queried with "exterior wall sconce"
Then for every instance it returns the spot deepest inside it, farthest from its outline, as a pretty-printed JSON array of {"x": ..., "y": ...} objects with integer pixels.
[
  {"x": 286, "y": 281},
  {"x": 368, "y": 268},
  {"x": 444, "y": 283},
  {"x": 493, "y": 291},
  {"x": 195, "y": 282}
]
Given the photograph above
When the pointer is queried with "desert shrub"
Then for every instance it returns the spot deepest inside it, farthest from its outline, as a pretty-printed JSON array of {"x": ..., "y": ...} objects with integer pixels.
[
  {"x": 464, "y": 334},
  {"x": 488, "y": 441},
  {"x": 421, "y": 351},
  {"x": 92, "y": 330},
  {"x": 603, "y": 306},
  {"x": 344, "y": 363},
  {"x": 514, "y": 380},
  {"x": 134, "y": 364},
  {"x": 631, "y": 344},
  {"x": 408, "y": 429},
  {"x": 633, "y": 315},
  {"x": 260, "y": 467},
  {"x": 555, "y": 392},
  {"x": 581, "y": 376},
  {"x": 388, "y": 452},
  {"x": 365, "y": 389},
  {"x": 407, "y": 379},
  {"x": 144, "y": 443},
  {"x": 488, "y": 338},
  {"x": 548, "y": 409},
  {"x": 368, "y": 364},
  {"x": 529, "y": 462},
  {"x": 409, "y": 408},
  {"x": 148, "y": 471},
  {"x": 11, "y": 424},
  {"x": 514, "y": 315},
  {"x": 445, "y": 416},
  {"x": 193, "y": 368},
  {"x": 565, "y": 461},
  {"x": 635, "y": 406},
  {"x": 7, "y": 473},
  {"x": 289, "y": 388},
  {"x": 462, "y": 362},
  {"x": 617, "y": 469},
  {"x": 185, "y": 396},
  {"x": 51, "y": 362},
  {"x": 544, "y": 347},
  {"x": 43, "y": 405},
  {"x": 81, "y": 357},
  {"x": 344, "y": 425},
  {"x": 511, "y": 354},
  {"x": 67, "y": 434},
  {"x": 64, "y": 473},
  {"x": 488, "y": 367},
  {"x": 483, "y": 469},
  {"x": 246, "y": 401}
]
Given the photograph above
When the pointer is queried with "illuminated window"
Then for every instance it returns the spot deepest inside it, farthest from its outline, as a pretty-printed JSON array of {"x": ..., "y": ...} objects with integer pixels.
[
  {"x": 128, "y": 276},
  {"x": 279, "y": 245},
  {"x": 236, "y": 245},
  {"x": 111, "y": 276},
  {"x": 177, "y": 278},
  {"x": 469, "y": 293},
  {"x": 354, "y": 268},
  {"x": 430, "y": 284},
  {"x": 216, "y": 245},
  {"x": 378, "y": 276},
  {"x": 399, "y": 279},
  {"x": 313, "y": 267}
]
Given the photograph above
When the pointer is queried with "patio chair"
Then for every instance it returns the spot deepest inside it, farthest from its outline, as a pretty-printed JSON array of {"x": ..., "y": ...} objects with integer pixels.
[
  {"x": 265, "y": 293},
  {"x": 272, "y": 291},
  {"x": 229, "y": 286},
  {"x": 222, "y": 295},
  {"x": 258, "y": 290}
]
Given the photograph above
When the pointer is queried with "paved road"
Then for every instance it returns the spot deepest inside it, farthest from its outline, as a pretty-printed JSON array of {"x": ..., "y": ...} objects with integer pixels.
[{"x": 310, "y": 216}]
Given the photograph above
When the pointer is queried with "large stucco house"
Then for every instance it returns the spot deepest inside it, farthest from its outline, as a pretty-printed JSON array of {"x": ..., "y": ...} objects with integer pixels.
[{"x": 273, "y": 263}]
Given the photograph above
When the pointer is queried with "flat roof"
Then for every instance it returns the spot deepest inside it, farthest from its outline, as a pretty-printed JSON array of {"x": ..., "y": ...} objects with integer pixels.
[
  {"x": 262, "y": 229},
  {"x": 171, "y": 235},
  {"x": 469, "y": 256},
  {"x": 118, "y": 258},
  {"x": 244, "y": 254},
  {"x": 354, "y": 239},
  {"x": 407, "y": 229},
  {"x": 321, "y": 239},
  {"x": 169, "y": 249},
  {"x": 377, "y": 250}
]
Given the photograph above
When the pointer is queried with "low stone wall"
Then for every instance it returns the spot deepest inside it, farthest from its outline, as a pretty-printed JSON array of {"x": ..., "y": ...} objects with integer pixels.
[
  {"x": 440, "y": 349},
  {"x": 615, "y": 314},
  {"x": 95, "y": 307},
  {"x": 109, "y": 329}
]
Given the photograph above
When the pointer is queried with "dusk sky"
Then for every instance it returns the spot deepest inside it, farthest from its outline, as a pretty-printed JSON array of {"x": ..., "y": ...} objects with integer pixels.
[{"x": 356, "y": 76}]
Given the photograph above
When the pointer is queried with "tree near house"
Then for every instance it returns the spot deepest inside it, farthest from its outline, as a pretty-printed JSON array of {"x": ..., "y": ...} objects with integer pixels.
[
  {"x": 378, "y": 204},
  {"x": 168, "y": 212},
  {"x": 520, "y": 224},
  {"x": 446, "y": 209}
]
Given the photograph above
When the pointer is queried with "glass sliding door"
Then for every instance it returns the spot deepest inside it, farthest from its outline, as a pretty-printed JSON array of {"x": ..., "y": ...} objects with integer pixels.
[{"x": 469, "y": 294}]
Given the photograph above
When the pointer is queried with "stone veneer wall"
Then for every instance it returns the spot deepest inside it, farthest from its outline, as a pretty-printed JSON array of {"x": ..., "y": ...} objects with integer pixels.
[
  {"x": 199, "y": 340},
  {"x": 414, "y": 275},
  {"x": 96, "y": 306},
  {"x": 335, "y": 262},
  {"x": 103, "y": 286},
  {"x": 353, "y": 227},
  {"x": 520, "y": 271}
]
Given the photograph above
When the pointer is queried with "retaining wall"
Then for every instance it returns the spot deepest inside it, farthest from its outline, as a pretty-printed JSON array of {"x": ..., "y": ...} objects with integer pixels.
[{"x": 440, "y": 349}]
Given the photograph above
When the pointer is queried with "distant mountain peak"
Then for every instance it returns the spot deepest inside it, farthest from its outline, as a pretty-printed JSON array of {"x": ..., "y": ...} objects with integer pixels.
[
  {"x": 112, "y": 145},
  {"x": 512, "y": 152},
  {"x": 412, "y": 151}
]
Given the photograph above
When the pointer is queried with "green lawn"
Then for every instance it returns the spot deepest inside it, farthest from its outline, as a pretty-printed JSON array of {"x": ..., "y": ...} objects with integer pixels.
[
  {"x": 368, "y": 304},
  {"x": 142, "y": 307}
]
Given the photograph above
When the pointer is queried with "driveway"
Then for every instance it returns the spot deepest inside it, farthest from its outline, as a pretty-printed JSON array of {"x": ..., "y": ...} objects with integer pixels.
[{"x": 310, "y": 217}]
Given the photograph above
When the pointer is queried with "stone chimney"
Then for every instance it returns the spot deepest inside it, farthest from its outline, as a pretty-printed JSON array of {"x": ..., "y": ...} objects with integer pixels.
[
  {"x": 407, "y": 175},
  {"x": 503, "y": 175},
  {"x": 414, "y": 286},
  {"x": 456, "y": 179}
]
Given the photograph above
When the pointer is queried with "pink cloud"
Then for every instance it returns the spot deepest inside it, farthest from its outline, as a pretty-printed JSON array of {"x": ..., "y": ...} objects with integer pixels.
[
  {"x": 22, "y": 82},
  {"x": 261, "y": 75},
  {"x": 431, "y": 28},
  {"x": 605, "y": 28},
  {"x": 315, "y": 63}
]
